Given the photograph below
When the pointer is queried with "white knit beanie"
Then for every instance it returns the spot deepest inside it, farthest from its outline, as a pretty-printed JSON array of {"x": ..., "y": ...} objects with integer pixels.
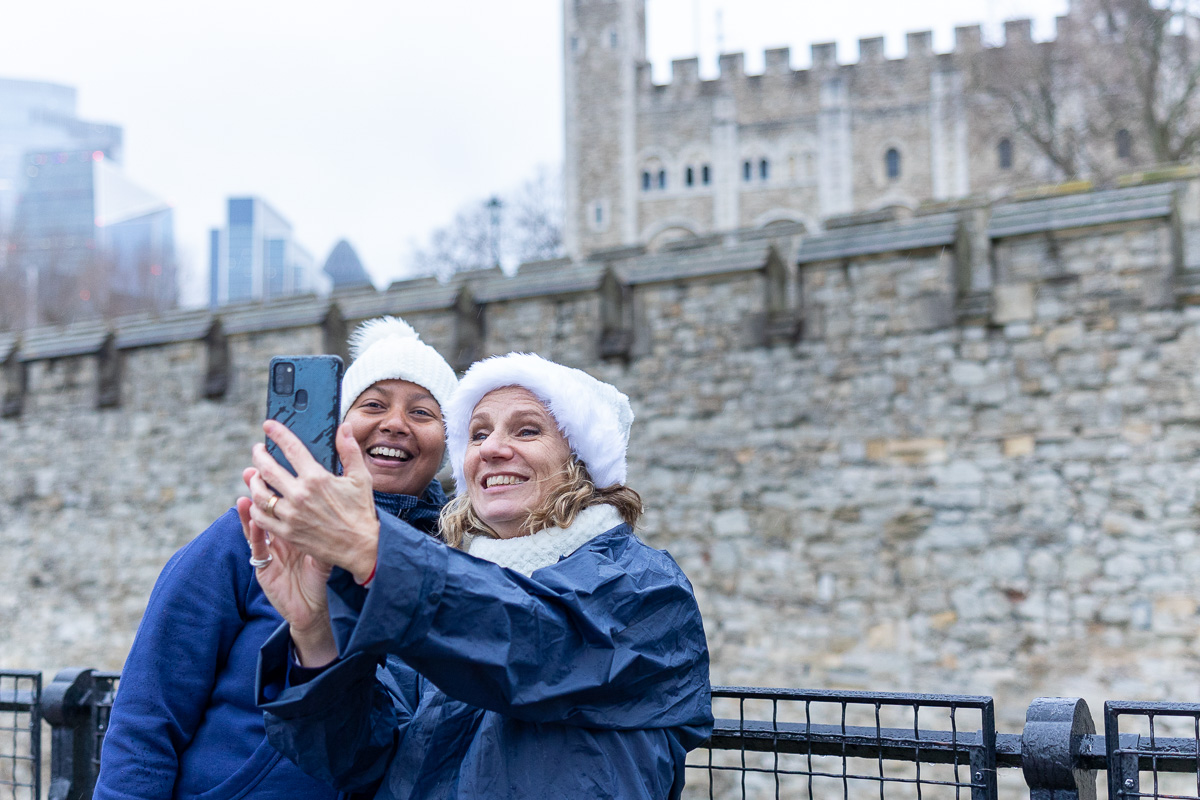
[
  {"x": 387, "y": 348},
  {"x": 593, "y": 416}
]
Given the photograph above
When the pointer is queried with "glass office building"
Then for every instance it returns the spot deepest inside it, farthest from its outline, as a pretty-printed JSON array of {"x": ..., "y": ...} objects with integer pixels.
[
  {"x": 256, "y": 257},
  {"x": 90, "y": 241},
  {"x": 77, "y": 238},
  {"x": 40, "y": 117}
]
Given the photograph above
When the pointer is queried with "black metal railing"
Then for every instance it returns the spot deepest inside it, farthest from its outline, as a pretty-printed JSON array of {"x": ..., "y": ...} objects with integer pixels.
[
  {"x": 1171, "y": 763},
  {"x": 822, "y": 745},
  {"x": 767, "y": 743},
  {"x": 77, "y": 704},
  {"x": 790, "y": 743},
  {"x": 20, "y": 734}
]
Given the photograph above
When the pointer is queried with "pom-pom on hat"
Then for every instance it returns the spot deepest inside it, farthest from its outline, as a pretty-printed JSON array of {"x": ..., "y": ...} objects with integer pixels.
[
  {"x": 387, "y": 348},
  {"x": 593, "y": 416}
]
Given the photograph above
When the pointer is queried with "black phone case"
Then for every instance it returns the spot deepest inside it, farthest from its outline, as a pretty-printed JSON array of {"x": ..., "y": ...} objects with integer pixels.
[{"x": 311, "y": 411}]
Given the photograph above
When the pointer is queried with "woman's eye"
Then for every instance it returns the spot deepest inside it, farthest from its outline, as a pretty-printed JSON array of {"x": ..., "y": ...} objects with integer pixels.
[
  {"x": 528, "y": 432},
  {"x": 478, "y": 436}
]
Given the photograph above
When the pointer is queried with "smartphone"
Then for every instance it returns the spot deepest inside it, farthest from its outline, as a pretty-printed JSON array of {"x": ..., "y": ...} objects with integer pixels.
[{"x": 305, "y": 394}]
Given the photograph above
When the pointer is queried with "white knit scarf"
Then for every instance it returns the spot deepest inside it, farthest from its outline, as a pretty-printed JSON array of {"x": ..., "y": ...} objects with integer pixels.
[{"x": 527, "y": 553}]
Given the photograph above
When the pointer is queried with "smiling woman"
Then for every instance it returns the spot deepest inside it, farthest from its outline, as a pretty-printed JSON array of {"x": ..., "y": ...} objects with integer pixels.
[
  {"x": 185, "y": 722},
  {"x": 558, "y": 656}
]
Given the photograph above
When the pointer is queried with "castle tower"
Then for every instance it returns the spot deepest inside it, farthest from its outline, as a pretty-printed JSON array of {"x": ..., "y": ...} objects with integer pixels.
[{"x": 604, "y": 43}]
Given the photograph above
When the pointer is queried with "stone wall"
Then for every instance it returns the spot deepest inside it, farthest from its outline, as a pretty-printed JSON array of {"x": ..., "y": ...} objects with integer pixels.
[{"x": 943, "y": 467}]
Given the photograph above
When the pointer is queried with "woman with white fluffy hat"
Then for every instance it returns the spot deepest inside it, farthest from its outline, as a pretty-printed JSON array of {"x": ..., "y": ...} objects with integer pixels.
[
  {"x": 185, "y": 723},
  {"x": 547, "y": 653}
]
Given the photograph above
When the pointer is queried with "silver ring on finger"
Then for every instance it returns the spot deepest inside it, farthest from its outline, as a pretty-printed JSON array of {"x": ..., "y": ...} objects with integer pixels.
[{"x": 259, "y": 563}]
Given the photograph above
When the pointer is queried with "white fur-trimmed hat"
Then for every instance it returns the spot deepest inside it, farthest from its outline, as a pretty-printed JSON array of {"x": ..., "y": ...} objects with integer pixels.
[
  {"x": 387, "y": 348},
  {"x": 593, "y": 415}
]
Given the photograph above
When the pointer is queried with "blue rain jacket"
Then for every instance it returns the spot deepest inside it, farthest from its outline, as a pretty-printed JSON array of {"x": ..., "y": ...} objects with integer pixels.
[
  {"x": 461, "y": 679},
  {"x": 184, "y": 723}
]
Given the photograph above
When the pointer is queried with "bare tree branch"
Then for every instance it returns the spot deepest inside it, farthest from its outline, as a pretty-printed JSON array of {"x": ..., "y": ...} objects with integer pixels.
[{"x": 526, "y": 226}]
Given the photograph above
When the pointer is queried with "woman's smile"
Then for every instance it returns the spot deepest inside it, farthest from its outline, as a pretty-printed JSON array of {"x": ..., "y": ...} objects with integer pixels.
[{"x": 493, "y": 481}]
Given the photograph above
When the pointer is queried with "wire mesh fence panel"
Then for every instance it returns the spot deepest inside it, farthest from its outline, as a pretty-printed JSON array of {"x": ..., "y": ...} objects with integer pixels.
[
  {"x": 1152, "y": 750},
  {"x": 20, "y": 735},
  {"x": 847, "y": 745}
]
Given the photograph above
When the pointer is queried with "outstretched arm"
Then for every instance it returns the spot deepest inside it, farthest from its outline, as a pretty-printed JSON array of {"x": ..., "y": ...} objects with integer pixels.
[{"x": 609, "y": 637}]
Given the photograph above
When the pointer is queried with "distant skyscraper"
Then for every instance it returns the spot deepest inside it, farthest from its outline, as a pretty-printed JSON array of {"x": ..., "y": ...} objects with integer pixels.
[
  {"x": 87, "y": 241},
  {"x": 38, "y": 117},
  {"x": 255, "y": 256},
  {"x": 77, "y": 238},
  {"x": 344, "y": 268}
]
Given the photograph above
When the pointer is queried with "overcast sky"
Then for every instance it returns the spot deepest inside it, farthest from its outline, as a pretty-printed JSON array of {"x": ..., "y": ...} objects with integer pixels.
[{"x": 378, "y": 120}]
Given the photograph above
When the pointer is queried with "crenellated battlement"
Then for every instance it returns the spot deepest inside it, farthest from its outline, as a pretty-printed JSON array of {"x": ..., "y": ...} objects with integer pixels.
[
  {"x": 697, "y": 155},
  {"x": 968, "y": 42}
]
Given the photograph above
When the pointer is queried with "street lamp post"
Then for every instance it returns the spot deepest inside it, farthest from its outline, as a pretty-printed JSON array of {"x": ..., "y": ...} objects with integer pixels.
[{"x": 493, "y": 206}]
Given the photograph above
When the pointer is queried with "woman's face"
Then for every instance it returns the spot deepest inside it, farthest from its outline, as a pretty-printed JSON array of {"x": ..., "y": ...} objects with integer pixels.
[
  {"x": 516, "y": 458},
  {"x": 399, "y": 427}
]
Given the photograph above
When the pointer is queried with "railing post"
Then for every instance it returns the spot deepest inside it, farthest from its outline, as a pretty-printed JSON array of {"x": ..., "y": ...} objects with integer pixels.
[
  {"x": 1054, "y": 727},
  {"x": 72, "y": 746},
  {"x": 1120, "y": 751}
]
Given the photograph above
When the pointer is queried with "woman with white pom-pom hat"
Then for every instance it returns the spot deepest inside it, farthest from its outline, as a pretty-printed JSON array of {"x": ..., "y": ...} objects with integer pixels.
[
  {"x": 184, "y": 722},
  {"x": 542, "y": 651}
]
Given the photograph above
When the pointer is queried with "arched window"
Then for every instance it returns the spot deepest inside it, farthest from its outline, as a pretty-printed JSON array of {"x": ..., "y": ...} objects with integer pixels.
[
  {"x": 645, "y": 181},
  {"x": 1004, "y": 154},
  {"x": 1124, "y": 144},
  {"x": 747, "y": 171},
  {"x": 891, "y": 161},
  {"x": 764, "y": 169},
  {"x": 662, "y": 179},
  {"x": 706, "y": 175},
  {"x": 689, "y": 176}
]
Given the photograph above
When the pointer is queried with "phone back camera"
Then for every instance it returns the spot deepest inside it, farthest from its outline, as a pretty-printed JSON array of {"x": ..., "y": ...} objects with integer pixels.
[{"x": 284, "y": 378}]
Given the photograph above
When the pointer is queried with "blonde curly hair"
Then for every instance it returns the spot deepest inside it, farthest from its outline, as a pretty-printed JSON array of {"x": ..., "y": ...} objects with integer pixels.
[{"x": 576, "y": 492}]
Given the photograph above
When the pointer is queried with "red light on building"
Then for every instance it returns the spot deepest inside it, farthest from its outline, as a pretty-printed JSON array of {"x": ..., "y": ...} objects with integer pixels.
[
  {"x": 155, "y": 269},
  {"x": 85, "y": 295},
  {"x": 97, "y": 155}
]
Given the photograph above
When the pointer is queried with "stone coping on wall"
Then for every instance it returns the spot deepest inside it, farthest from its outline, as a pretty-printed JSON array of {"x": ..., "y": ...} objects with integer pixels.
[
  {"x": 8, "y": 345},
  {"x": 699, "y": 263},
  {"x": 729, "y": 255},
  {"x": 290, "y": 312},
  {"x": 174, "y": 326},
  {"x": 935, "y": 230},
  {"x": 1082, "y": 210},
  {"x": 402, "y": 297},
  {"x": 81, "y": 338},
  {"x": 541, "y": 279}
]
